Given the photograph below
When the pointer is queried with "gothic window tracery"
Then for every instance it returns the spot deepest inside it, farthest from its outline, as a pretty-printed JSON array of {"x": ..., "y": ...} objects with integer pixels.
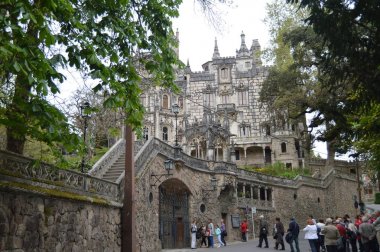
[
  {"x": 180, "y": 102},
  {"x": 146, "y": 133},
  {"x": 245, "y": 130},
  {"x": 165, "y": 101},
  {"x": 242, "y": 97},
  {"x": 165, "y": 133},
  {"x": 209, "y": 99}
]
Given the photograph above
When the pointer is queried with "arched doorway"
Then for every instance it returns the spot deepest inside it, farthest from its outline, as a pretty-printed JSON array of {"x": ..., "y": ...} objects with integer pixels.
[{"x": 174, "y": 219}]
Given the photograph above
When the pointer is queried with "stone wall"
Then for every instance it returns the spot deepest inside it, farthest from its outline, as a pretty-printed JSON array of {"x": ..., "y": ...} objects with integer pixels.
[{"x": 32, "y": 222}]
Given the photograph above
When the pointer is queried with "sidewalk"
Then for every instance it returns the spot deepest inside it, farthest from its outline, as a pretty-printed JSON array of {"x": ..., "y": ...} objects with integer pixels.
[{"x": 232, "y": 243}]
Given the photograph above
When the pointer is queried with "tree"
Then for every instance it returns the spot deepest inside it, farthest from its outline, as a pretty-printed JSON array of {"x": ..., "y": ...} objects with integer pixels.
[
  {"x": 106, "y": 40},
  {"x": 298, "y": 83},
  {"x": 350, "y": 31}
]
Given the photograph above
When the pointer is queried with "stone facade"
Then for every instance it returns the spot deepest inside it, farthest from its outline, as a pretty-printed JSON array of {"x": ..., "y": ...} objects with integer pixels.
[
  {"x": 236, "y": 191},
  {"x": 221, "y": 117},
  {"x": 52, "y": 210}
]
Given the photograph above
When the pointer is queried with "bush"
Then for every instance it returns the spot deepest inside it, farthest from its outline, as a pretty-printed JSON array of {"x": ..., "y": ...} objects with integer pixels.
[{"x": 377, "y": 198}]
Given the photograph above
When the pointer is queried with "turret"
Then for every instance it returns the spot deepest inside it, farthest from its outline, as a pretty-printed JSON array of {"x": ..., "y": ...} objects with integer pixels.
[
  {"x": 256, "y": 51},
  {"x": 243, "y": 51},
  {"x": 216, "y": 51}
]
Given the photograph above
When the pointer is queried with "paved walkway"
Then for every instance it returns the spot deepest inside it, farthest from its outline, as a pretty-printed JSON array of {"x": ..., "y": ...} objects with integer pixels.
[{"x": 250, "y": 246}]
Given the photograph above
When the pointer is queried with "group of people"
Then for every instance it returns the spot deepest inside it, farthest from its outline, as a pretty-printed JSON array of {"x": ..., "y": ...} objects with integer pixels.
[
  {"x": 339, "y": 234},
  {"x": 206, "y": 233}
]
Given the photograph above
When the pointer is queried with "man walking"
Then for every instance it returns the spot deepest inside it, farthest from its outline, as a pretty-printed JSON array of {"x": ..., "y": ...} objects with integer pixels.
[
  {"x": 294, "y": 229},
  {"x": 279, "y": 234},
  {"x": 263, "y": 232}
]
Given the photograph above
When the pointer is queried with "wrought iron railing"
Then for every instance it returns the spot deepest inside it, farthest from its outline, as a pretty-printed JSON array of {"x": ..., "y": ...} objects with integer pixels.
[{"x": 22, "y": 167}]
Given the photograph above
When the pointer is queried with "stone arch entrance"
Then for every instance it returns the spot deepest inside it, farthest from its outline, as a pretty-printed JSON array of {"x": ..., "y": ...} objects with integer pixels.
[{"x": 174, "y": 222}]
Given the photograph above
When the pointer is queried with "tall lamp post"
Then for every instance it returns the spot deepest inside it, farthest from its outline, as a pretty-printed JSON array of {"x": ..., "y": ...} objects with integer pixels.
[
  {"x": 175, "y": 109},
  {"x": 84, "y": 114}
]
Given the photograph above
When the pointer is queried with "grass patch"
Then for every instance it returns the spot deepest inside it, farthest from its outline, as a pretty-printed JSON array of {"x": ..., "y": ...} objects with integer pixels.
[{"x": 279, "y": 170}]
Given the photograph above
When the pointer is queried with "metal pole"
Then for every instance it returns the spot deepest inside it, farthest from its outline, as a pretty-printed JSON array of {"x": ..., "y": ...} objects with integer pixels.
[
  {"x": 358, "y": 180},
  {"x": 85, "y": 145},
  {"x": 176, "y": 139},
  {"x": 128, "y": 239}
]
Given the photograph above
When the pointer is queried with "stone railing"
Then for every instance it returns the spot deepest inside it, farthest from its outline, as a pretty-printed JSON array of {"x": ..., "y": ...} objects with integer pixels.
[
  {"x": 106, "y": 161},
  {"x": 244, "y": 174},
  {"x": 20, "y": 167}
]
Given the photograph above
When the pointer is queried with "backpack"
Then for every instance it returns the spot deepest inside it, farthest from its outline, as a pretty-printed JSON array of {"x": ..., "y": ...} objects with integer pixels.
[
  {"x": 289, "y": 237},
  {"x": 193, "y": 229}
]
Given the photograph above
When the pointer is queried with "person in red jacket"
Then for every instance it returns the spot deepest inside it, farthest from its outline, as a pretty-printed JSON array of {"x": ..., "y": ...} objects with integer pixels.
[{"x": 243, "y": 229}]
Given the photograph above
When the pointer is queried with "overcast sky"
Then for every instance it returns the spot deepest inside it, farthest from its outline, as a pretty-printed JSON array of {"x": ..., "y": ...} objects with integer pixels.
[{"x": 197, "y": 34}]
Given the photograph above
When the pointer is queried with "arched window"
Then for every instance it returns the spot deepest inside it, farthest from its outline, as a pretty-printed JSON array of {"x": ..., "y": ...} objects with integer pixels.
[
  {"x": 283, "y": 147},
  {"x": 267, "y": 130},
  {"x": 180, "y": 102},
  {"x": 165, "y": 102},
  {"x": 165, "y": 133},
  {"x": 146, "y": 133}
]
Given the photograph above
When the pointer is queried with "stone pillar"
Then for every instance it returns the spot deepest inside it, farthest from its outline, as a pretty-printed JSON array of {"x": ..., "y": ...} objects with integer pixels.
[
  {"x": 211, "y": 153},
  {"x": 251, "y": 188},
  {"x": 245, "y": 155},
  {"x": 244, "y": 190}
]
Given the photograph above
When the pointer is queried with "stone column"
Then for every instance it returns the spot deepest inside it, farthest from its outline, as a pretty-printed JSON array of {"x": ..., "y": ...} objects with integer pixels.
[
  {"x": 245, "y": 155},
  {"x": 244, "y": 190},
  {"x": 211, "y": 153}
]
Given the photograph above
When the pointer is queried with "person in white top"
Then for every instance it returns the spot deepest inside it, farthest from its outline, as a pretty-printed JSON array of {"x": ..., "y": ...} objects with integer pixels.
[
  {"x": 311, "y": 235},
  {"x": 321, "y": 237}
]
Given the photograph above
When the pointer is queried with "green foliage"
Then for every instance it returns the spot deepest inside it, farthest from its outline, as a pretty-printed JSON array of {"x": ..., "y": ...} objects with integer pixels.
[
  {"x": 105, "y": 40},
  {"x": 350, "y": 30},
  {"x": 377, "y": 198},
  {"x": 278, "y": 169}
]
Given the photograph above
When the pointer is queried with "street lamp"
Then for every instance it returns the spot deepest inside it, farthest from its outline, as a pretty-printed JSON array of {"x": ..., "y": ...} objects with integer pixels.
[
  {"x": 214, "y": 185},
  {"x": 84, "y": 114},
  {"x": 168, "y": 165},
  {"x": 175, "y": 110}
]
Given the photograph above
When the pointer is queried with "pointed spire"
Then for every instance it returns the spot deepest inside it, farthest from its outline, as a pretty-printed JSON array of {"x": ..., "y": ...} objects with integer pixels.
[
  {"x": 216, "y": 50},
  {"x": 188, "y": 68},
  {"x": 243, "y": 51}
]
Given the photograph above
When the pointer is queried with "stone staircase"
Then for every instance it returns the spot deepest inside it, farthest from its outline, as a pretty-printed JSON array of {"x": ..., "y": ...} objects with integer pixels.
[{"x": 113, "y": 173}]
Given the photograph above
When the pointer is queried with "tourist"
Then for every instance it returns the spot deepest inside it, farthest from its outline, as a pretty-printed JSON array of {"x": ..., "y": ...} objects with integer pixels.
[
  {"x": 218, "y": 233},
  {"x": 263, "y": 231},
  {"x": 224, "y": 231},
  {"x": 243, "y": 229},
  {"x": 340, "y": 225},
  {"x": 294, "y": 229},
  {"x": 331, "y": 235},
  {"x": 376, "y": 225},
  {"x": 351, "y": 232},
  {"x": 279, "y": 234},
  {"x": 358, "y": 221},
  {"x": 311, "y": 234},
  {"x": 194, "y": 235},
  {"x": 211, "y": 231},
  {"x": 321, "y": 236},
  {"x": 368, "y": 235},
  {"x": 204, "y": 236}
]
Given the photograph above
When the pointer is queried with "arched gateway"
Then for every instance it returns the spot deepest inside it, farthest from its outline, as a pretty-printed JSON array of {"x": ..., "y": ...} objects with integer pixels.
[{"x": 174, "y": 222}]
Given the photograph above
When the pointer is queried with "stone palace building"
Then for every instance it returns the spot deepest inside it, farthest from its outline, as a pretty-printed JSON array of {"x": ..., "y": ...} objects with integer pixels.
[{"x": 221, "y": 117}]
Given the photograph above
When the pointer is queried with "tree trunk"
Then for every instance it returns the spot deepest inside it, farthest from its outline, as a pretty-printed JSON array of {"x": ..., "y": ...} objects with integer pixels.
[
  {"x": 330, "y": 154},
  {"x": 17, "y": 112},
  {"x": 18, "y": 115}
]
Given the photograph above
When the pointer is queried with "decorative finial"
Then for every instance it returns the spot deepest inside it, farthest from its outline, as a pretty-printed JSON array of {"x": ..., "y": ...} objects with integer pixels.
[{"x": 216, "y": 50}]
